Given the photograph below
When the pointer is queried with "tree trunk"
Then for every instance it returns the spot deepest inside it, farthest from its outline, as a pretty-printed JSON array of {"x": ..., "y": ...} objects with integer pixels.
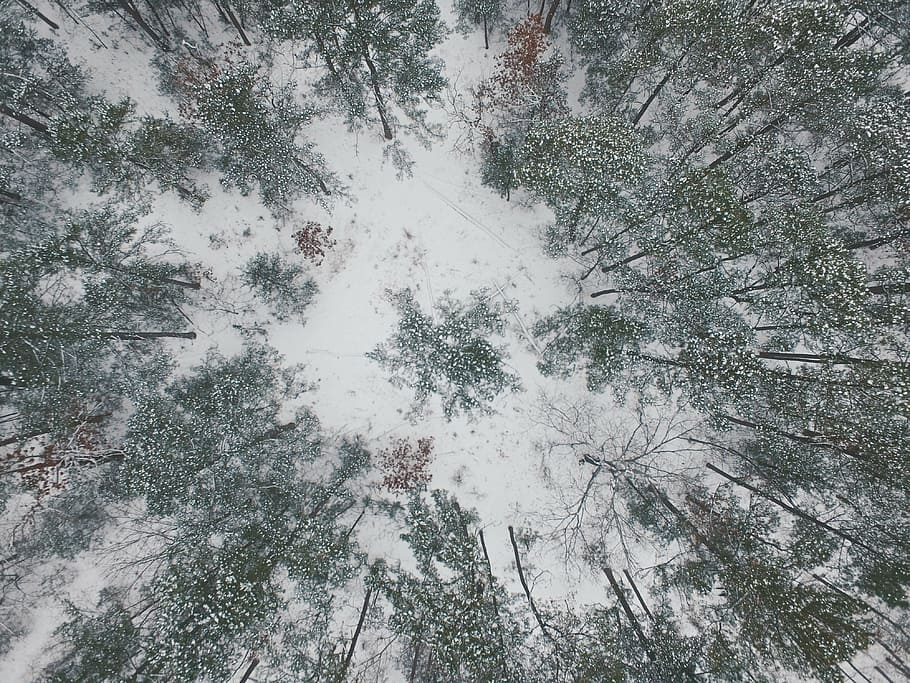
[
  {"x": 377, "y": 94},
  {"x": 821, "y": 360},
  {"x": 486, "y": 34},
  {"x": 350, "y": 655},
  {"x": 35, "y": 125},
  {"x": 625, "y": 261},
  {"x": 236, "y": 24},
  {"x": 127, "y": 335},
  {"x": 9, "y": 441},
  {"x": 527, "y": 590},
  {"x": 638, "y": 595},
  {"x": 797, "y": 512},
  {"x": 130, "y": 8},
  {"x": 748, "y": 142},
  {"x": 34, "y": 10},
  {"x": 877, "y": 242},
  {"x": 548, "y": 22},
  {"x": 629, "y": 613},
  {"x": 249, "y": 671},
  {"x": 660, "y": 86},
  {"x": 319, "y": 181}
]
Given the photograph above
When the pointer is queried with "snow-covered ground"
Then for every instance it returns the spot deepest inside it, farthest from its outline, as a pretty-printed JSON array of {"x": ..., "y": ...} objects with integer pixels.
[{"x": 437, "y": 231}]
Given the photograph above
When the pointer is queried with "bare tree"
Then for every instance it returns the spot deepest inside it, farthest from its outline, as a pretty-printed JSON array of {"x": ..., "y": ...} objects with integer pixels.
[{"x": 597, "y": 457}]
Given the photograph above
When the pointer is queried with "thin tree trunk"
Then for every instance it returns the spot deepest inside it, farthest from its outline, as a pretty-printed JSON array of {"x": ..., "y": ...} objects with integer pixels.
[
  {"x": 890, "y": 288},
  {"x": 413, "y": 673},
  {"x": 249, "y": 671},
  {"x": 319, "y": 181},
  {"x": 134, "y": 336},
  {"x": 852, "y": 36},
  {"x": 34, "y": 10},
  {"x": 130, "y": 8},
  {"x": 9, "y": 441},
  {"x": 872, "y": 608},
  {"x": 748, "y": 142},
  {"x": 527, "y": 590},
  {"x": 625, "y": 261},
  {"x": 660, "y": 86},
  {"x": 797, "y": 512},
  {"x": 486, "y": 34},
  {"x": 363, "y": 616},
  {"x": 629, "y": 613},
  {"x": 158, "y": 19},
  {"x": 377, "y": 94},
  {"x": 876, "y": 242},
  {"x": 548, "y": 22},
  {"x": 193, "y": 284},
  {"x": 641, "y": 600},
  {"x": 821, "y": 360},
  {"x": 35, "y": 125},
  {"x": 236, "y": 24}
]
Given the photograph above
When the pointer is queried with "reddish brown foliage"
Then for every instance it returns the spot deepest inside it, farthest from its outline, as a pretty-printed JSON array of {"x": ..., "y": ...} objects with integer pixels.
[
  {"x": 190, "y": 76},
  {"x": 312, "y": 241},
  {"x": 42, "y": 462},
  {"x": 523, "y": 88},
  {"x": 518, "y": 65},
  {"x": 406, "y": 467},
  {"x": 192, "y": 73}
]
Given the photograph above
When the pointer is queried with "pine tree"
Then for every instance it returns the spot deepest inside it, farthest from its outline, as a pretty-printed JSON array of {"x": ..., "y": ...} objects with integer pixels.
[
  {"x": 376, "y": 55},
  {"x": 448, "y": 354}
]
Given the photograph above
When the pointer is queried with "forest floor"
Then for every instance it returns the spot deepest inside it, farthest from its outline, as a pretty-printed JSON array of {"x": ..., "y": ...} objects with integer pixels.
[{"x": 434, "y": 231}]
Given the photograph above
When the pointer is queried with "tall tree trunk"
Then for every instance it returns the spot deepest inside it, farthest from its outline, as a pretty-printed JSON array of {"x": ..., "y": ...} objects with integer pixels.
[
  {"x": 625, "y": 261},
  {"x": 249, "y": 671},
  {"x": 548, "y": 22},
  {"x": 319, "y": 181},
  {"x": 35, "y": 125},
  {"x": 236, "y": 24},
  {"x": 486, "y": 34},
  {"x": 377, "y": 94},
  {"x": 350, "y": 655},
  {"x": 638, "y": 595},
  {"x": 629, "y": 613},
  {"x": 34, "y": 10},
  {"x": 128, "y": 335},
  {"x": 795, "y": 511},
  {"x": 748, "y": 141},
  {"x": 660, "y": 86},
  {"x": 823, "y": 360},
  {"x": 524, "y": 584},
  {"x": 132, "y": 11}
]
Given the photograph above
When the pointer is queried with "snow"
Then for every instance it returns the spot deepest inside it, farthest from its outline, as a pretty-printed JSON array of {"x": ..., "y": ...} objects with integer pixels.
[{"x": 434, "y": 232}]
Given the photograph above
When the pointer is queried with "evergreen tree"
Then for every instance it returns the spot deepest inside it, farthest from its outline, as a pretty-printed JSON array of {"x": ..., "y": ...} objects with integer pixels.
[
  {"x": 473, "y": 12},
  {"x": 280, "y": 284},
  {"x": 447, "y": 353},
  {"x": 73, "y": 294},
  {"x": 454, "y": 616},
  {"x": 376, "y": 55},
  {"x": 250, "y": 502},
  {"x": 256, "y": 129}
]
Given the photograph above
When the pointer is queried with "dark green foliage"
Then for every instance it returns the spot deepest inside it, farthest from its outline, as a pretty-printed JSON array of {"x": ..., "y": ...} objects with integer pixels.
[
  {"x": 101, "y": 642},
  {"x": 454, "y": 616},
  {"x": 249, "y": 503},
  {"x": 257, "y": 130},
  {"x": 448, "y": 353},
  {"x": 47, "y": 97},
  {"x": 279, "y": 283},
  {"x": 500, "y": 165},
  {"x": 375, "y": 55},
  {"x": 588, "y": 337},
  {"x": 74, "y": 291}
]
